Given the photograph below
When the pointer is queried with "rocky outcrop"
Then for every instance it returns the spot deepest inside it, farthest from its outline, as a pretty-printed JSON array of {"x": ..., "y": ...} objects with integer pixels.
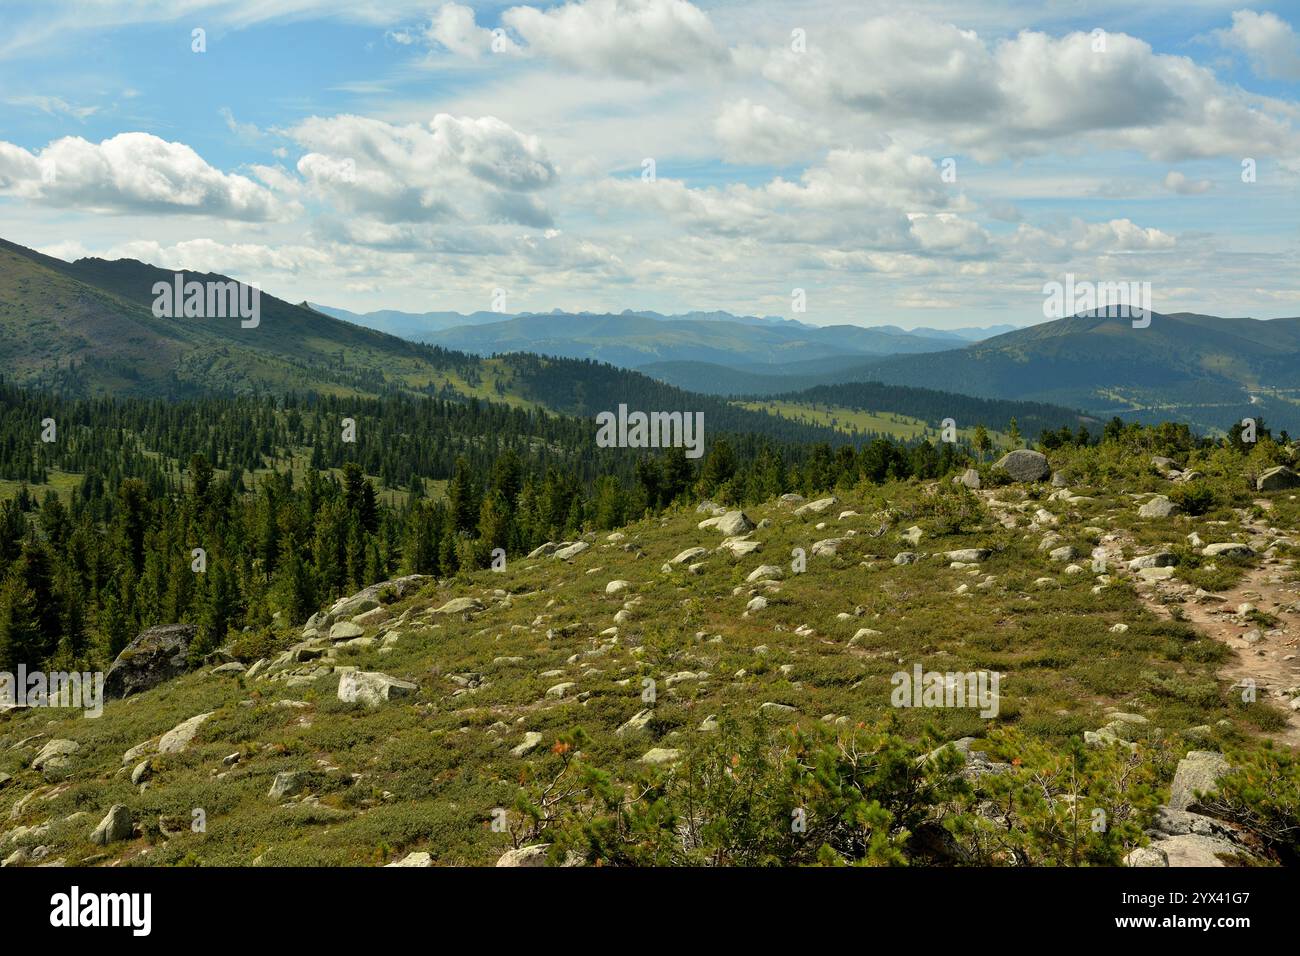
[
  {"x": 158, "y": 654},
  {"x": 1024, "y": 465},
  {"x": 1277, "y": 479},
  {"x": 372, "y": 688}
]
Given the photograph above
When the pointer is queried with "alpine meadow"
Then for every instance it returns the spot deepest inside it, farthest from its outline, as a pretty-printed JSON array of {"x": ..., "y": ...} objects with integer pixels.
[{"x": 596, "y": 436}]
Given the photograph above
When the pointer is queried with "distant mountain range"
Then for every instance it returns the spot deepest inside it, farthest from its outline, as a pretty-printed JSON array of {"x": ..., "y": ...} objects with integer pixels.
[
  {"x": 634, "y": 339},
  {"x": 87, "y": 328}
]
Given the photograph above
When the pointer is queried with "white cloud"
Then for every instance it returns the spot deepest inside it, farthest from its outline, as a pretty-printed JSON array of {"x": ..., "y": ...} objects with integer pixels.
[
  {"x": 1180, "y": 184},
  {"x": 417, "y": 172},
  {"x": 637, "y": 39},
  {"x": 1268, "y": 41},
  {"x": 454, "y": 27},
  {"x": 132, "y": 172},
  {"x": 751, "y": 134},
  {"x": 1028, "y": 94}
]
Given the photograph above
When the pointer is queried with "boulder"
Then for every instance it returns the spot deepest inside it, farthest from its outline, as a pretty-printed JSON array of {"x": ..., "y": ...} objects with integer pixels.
[
  {"x": 690, "y": 554},
  {"x": 55, "y": 755},
  {"x": 970, "y": 478},
  {"x": 1231, "y": 549},
  {"x": 765, "y": 572},
  {"x": 525, "y": 856},
  {"x": 617, "y": 587},
  {"x": 114, "y": 827},
  {"x": 1158, "y": 507},
  {"x": 968, "y": 555},
  {"x": 460, "y": 605},
  {"x": 1024, "y": 465},
  {"x": 637, "y": 722},
  {"x": 180, "y": 736},
  {"x": 287, "y": 784},
  {"x": 530, "y": 743},
  {"x": 345, "y": 631},
  {"x": 657, "y": 756},
  {"x": 372, "y": 688},
  {"x": 414, "y": 859},
  {"x": 572, "y": 551},
  {"x": 1161, "y": 559},
  {"x": 731, "y": 524},
  {"x": 820, "y": 506},
  {"x": 1198, "y": 771},
  {"x": 1277, "y": 479},
  {"x": 384, "y": 592},
  {"x": 158, "y": 654}
]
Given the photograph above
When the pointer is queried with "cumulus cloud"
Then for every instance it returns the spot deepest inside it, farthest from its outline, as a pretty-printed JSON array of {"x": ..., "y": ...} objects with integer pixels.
[
  {"x": 454, "y": 28},
  {"x": 450, "y": 167},
  {"x": 633, "y": 39},
  {"x": 1029, "y": 93},
  {"x": 750, "y": 133},
  {"x": 132, "y": 173},
  {"x": 1269, "y": 42}
]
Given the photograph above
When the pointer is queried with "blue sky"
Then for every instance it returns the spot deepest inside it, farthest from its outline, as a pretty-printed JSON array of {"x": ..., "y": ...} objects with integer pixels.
[{"x": 390, "y": 155}]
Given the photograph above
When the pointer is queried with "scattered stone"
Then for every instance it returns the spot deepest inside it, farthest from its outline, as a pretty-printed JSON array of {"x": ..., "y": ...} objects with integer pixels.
[
  {"x": 158, "y": 654},
  {"x": 1198, "y": 771},
  {"x": 115, "y": 826},
  {"x": 55, "y": 755},
  {"x": 287, "y": 784},
  {"x": 1159, "y": 507},
  {"x": 658, "y": 756},
  {"x": 414, "y": 859},
  {"x": 532, "y": 739},
  {"x": 460, "y": 605},
  {"x": 372, "y": 688},
  {"x": 1277, "y": 479},
  {"x": 1024, "y": 465}
]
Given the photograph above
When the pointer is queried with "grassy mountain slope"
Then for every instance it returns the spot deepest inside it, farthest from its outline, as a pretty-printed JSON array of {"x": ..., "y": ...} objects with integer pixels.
[
  {"x": 1201, "y": 369},
  {"x": 536, "y": 652}
]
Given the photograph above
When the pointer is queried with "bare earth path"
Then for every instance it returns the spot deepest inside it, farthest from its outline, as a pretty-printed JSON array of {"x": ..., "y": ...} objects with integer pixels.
[{"x": 1271, "y": 655}]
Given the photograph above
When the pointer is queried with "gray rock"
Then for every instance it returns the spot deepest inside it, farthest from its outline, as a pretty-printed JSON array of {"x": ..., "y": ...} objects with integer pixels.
[
  {"x": 771, "y": 709},
  {"x": 1198, "y": 771},
  {"x": 1024, "y": 465},
  {"x": 657, "y": 756},
  {"x": 1228, "y": 549},
  {"x": 525, "y": 856},
  {"x": 345, "y": 631},
  {"x": 1161, "y": 559},
  {"x": 288, "y": 784},
  {"x": 572, "y": 551},
  {"x": 158, "y": 654},
  {"x": 1159, "y": 507},
  {"x": 906, "y": 557},
  {"x": 1277, "y": 479},
  {"x": 55, "y": 755},
  {"x": 1066, "y": 553},
  {"x": 968, "y": 555},
  {"x": 690, "y": 554},
  {"x": 1147, "y": 856},
  {"x": 970, "y": 478},
  {"x": 382, "y": 593},
  {"x": 141, "y": 772},
  {"x": 820, "y": 506},
  {"x": 531, "y": 740},
  {"x": 414, "y": 859},
  {"x": 180, "y": 736},
  {"x": 460, "y": 605},
  {"x": 637, "y": 722},
  {"x": 732, "y": 523},
  {"x": 372, "y": 688},
  {"x": 114, "y": 827}
]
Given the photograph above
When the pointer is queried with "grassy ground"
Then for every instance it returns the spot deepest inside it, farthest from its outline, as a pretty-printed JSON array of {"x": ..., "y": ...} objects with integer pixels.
[{"x": 427, "y": 772}]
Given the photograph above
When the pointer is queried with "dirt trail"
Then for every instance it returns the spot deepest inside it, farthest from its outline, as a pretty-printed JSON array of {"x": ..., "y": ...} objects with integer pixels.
[{"x": 1272, "y": 657}]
